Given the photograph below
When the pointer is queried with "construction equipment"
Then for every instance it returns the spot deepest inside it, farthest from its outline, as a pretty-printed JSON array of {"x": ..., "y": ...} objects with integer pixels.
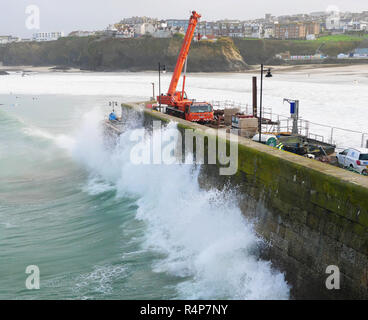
[{"x": 177, "y": 102}]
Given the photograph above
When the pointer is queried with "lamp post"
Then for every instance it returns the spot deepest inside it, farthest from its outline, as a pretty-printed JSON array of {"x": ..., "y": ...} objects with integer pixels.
[
  {"x": 268, "y": 75},
  {"x": 153, "y": 90},
  {"x": 159, "y": 81}
]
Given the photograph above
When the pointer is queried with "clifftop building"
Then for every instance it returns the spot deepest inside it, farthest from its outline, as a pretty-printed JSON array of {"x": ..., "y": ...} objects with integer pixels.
[
  {"x": 81, "y": 34},
  {"x": 181, "y": 23},
  {"x": 8, "y": 39},
  {"x": 296, "y": 30},
  {"x": 47, "y": 36}
]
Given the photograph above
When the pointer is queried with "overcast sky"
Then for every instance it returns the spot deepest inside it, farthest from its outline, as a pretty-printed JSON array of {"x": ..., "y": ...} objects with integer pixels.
[{"x": 69, "y": 15}]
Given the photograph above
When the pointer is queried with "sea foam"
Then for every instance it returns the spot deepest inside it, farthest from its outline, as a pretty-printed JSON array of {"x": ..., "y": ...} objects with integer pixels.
[{"x": 204, "y": 238}]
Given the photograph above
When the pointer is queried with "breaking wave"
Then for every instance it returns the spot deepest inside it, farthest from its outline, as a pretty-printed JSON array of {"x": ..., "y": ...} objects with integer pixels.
[{"x": 202, "y": 235}]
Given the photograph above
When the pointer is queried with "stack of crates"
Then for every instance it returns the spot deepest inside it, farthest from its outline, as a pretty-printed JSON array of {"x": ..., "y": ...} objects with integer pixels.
[{"x": 247, "y": 125}]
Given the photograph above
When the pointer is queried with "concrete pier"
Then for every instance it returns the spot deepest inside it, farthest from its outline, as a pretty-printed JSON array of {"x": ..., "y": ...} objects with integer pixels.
[{"x": 314, "y": 215}]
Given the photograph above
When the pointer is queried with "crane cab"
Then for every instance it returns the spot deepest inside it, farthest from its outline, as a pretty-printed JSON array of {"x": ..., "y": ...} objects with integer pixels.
[{"x": 199, "y": 112}]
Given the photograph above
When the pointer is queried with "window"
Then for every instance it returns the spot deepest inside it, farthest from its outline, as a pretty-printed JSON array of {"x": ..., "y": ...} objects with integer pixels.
[
  {"x": 345, "y": 152},
  {"x": 201, "y": 108},
  {"x": 363, "y": 156}
]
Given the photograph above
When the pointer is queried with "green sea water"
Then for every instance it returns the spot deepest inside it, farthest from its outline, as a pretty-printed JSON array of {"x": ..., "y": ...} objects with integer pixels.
[{"x": 100, "y": 227}]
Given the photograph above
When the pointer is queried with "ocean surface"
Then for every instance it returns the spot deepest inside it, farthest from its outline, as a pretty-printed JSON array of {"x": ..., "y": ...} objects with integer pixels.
[{"x": 100, "y": 227}]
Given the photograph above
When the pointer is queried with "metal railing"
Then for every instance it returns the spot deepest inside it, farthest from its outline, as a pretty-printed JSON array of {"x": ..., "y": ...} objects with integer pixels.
[
  {"x": 327, "y": 134},
  {"x": 341, "y": 137},
  {"x": 229, "y": 104},
  {"x": 243, "y": 107}
]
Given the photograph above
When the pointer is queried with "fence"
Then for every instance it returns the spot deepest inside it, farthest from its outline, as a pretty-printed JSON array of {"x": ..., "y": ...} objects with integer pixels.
[
  {"x": 342, "y": 138},
  {"x": 243, "y": 107}
]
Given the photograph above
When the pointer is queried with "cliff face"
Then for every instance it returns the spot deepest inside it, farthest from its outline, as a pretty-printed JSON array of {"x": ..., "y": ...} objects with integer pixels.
[
  {"x": 144, "y": 53},
  {"x": 263, "y": 51},
  {"x": 124, "y": 54},
  {"x": 207, "y": 56}
]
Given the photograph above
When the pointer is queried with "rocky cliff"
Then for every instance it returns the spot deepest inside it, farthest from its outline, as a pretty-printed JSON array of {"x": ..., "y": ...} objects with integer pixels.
[
  {"x": 107, "y": 54},
  {"x": 124, "y": 54},
  {"x": 257, "y": 51}
]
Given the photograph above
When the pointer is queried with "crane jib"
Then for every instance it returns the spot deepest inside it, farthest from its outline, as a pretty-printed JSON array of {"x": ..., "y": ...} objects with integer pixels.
[
  {"x": 177, "y": 102},
  {"x": 183, "y": 53}
]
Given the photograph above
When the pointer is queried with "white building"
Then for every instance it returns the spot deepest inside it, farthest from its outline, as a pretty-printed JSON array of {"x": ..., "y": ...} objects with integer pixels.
[
  {"x": 47, "y": 36},
  {"x": 8, "y": 39},
  {"x": 356, "y": 26},
  {"x": 5, "y": 39},
  {"x": 111, "y": 31},
  {"x": 269, "y": 32},
  {"x": 125, "y": 33},
  {"x": 81, "y": 34},
  {"x": 255, "y": 30},
  {"x": 162, "y": 33},
  {"x": 144, "y": 28},
  {"x": 333, "y": 20},
  {"x": 342, "y": 56},
  {"x": 311, "y": 37}
]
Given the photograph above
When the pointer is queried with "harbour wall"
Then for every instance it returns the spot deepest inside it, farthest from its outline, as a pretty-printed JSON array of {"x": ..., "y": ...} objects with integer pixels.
[{"x": 311, "y": 214}]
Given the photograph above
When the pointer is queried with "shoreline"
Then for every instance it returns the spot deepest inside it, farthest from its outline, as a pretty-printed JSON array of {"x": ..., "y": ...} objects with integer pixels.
[
  {"x": 43, "y": 69},
  {"x": 252, "y": 69}
]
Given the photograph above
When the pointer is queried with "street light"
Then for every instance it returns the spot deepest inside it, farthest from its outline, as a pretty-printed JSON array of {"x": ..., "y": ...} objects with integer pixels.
[
  {"x": 159, "y": 80},
  {"x": 268, "y": 75},
  {"x": 153, "y": 90}
]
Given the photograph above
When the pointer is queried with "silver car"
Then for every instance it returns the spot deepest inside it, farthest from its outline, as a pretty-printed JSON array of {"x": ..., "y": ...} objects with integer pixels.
[{"x": 354, "y": 158}]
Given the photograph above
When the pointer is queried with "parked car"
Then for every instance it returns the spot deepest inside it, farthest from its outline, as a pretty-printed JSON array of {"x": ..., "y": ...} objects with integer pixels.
[{"x": 354, "y": 158}]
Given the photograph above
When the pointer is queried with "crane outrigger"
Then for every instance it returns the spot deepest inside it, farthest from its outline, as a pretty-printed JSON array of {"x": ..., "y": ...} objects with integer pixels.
[{"x": 177, "y": 102}]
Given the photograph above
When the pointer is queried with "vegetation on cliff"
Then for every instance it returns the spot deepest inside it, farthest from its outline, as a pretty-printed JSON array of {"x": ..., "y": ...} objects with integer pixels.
[
  {"x": 256, "y": 51},
  {"x": 108, "y": 54},
  {"x": 124, "y": 54}
]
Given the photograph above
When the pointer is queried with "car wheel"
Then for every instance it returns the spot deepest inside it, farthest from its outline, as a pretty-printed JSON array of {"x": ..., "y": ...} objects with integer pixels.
[{"x": 365, "y": 172}]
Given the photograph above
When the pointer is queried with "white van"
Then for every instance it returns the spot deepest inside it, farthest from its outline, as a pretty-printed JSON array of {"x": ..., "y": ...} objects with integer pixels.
[{"x": 354, "y": 158}]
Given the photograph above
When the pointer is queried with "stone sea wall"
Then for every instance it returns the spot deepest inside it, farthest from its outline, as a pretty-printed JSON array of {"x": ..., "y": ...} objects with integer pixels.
[{"x": 313, "y": 215}]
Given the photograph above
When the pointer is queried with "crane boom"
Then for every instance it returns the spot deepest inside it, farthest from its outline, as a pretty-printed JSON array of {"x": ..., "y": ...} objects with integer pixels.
[
  {"x": 183, "y": 52},
  {"x": 177, "y": 102}
]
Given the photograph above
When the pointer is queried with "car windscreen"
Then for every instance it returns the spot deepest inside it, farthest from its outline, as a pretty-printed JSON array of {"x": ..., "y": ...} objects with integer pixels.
[
  {"x": 363, "y": 156},
  {"x": 201, "y": 108}
]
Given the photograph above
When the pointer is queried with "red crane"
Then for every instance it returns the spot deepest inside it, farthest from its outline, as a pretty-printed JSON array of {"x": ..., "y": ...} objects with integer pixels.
[{"x": 177, "y": 102}]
